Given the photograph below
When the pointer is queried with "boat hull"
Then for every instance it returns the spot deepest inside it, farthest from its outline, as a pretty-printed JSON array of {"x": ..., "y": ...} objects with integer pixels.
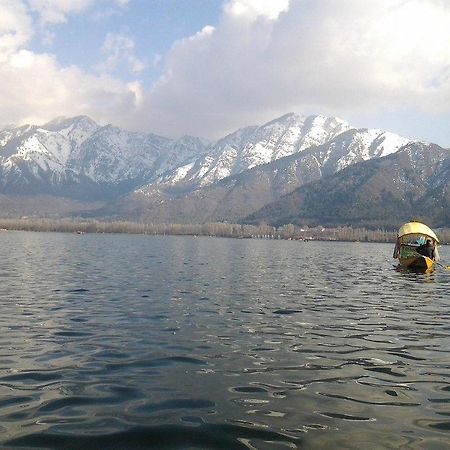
[{"x": 418, "y": 262}]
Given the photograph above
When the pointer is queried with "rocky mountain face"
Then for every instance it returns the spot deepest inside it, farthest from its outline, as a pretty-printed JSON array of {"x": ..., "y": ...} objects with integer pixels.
[
  {"x": 148, "y": 177},
  {"x": 288, "y": 135},
  {"x": 254, "y": 166},
  {"x": 78, "y": 158},
  {"x": 413, "y": 182}
]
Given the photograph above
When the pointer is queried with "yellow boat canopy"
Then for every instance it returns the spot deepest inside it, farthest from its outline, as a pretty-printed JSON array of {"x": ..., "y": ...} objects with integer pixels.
[{"x": 417, "y": 228}]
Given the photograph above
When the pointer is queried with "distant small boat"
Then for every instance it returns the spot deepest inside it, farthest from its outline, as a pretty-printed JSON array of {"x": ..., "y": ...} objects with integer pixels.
[{"x": 416, "y": 246}]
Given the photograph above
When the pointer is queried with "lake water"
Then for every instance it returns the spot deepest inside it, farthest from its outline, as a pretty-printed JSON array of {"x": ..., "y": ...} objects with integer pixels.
[{"x": 122, "y": 341}]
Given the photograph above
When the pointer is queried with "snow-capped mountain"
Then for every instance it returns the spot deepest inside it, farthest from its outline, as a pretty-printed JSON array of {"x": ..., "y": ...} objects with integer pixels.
[
  {"x": 253, "y": 146},
  {"x": 288, "y": 135},
  {"x": 65, "y": 156},
  {"x": 238, "y": 189},
  {"x": 355, "y": 145},
  {"x": 381, "y": 192},
  {"x": 78, "y": 158},
  {"x": 155, "y": 178}
]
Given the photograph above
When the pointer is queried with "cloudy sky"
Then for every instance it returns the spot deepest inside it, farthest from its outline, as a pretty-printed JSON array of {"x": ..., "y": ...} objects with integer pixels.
[{"x": 207, "y": 67}]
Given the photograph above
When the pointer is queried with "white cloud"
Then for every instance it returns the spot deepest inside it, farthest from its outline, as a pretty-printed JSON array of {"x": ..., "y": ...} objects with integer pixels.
[
  {"x": 119, "y": 49},
  {"x": 348, "y": 58},
  {"x": 47, "y": 90},
  {"x": 35, "y": 87},
  {"x": 57, "y": 11},
  {"x": 15, "y": 27},
  {"x": 252, "y": 9},
  {"x": 340, "y": 57},
  {"x": 48, "y": 37}
]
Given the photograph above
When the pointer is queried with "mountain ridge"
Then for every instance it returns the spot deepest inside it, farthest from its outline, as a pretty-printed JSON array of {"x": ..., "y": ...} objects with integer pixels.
[
  {"x": 376, "y": 192},
  {"x": 148, "y": 177}
]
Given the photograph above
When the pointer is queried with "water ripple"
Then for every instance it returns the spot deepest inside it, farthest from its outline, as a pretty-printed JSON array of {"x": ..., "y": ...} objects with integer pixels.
[
  {"x": 162, "y": 437},
  {"x": 177, "y": 342}
]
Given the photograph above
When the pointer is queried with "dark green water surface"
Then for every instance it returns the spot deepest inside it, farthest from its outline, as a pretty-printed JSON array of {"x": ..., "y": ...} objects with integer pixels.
[{"x": 124, "y": 342}]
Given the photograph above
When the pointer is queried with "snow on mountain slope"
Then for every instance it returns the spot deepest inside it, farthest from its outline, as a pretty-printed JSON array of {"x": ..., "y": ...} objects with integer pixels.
[
  {"x": 68, "y": 152},
  {"x": 74, "y": 149},
  {"x": 112, "y": 155},
  {"x": 252, "y": 146},
  {"x": 355, "y": 146},
  {"x": 332, "y": 144},
  {"x": 46, "y": 149}
]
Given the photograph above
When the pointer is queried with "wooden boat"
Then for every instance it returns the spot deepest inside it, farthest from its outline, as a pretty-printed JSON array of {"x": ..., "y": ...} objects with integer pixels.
[{"x": 410, "y": 237}]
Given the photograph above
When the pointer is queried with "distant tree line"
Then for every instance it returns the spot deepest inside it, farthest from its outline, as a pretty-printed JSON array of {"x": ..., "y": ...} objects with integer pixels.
[{"x": 220, "y": 229}]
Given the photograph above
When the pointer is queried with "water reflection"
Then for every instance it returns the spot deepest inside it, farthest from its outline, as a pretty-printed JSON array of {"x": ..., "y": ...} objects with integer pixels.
[
  {"x": 418, "y": 276},
  {"x": 178, "y": 342}
]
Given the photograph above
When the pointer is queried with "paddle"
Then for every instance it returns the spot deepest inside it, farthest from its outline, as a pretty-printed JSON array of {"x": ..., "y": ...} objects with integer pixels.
[{"x": 442, "y": 265}]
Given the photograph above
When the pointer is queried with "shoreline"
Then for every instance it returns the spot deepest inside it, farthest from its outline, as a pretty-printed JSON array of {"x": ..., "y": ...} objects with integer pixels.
[{"x": 216, "y": 229}]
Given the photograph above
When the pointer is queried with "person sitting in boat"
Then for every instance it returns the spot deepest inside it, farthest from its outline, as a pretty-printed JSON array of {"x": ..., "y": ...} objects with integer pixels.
[{"x": 426, "y": 249}]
